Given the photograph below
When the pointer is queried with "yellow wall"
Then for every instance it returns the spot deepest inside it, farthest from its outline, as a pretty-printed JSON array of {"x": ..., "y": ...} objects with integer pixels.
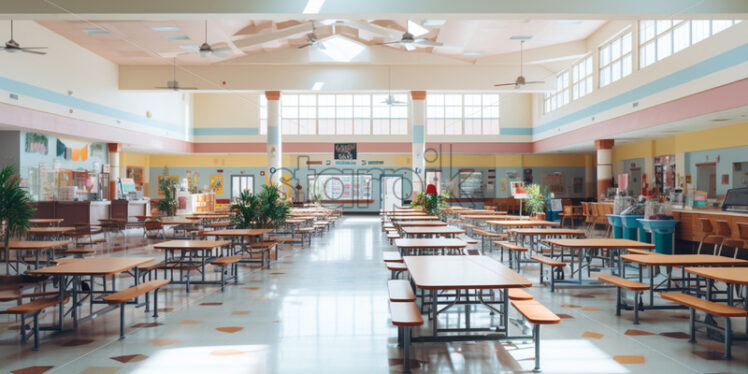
[
  {"x": 716, "y": 138},
  {"x": 226, "y": 110},
  {"x": 250, "y": 160}
]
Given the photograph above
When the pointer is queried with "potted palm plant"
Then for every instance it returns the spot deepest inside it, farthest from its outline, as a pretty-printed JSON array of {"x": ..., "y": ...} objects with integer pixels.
[
  {"x": 15, "y": 208},
  {"x": 263, "y": 210},
  {"x": 167, "y": 205},
  {"x": 535, "y": 202}
]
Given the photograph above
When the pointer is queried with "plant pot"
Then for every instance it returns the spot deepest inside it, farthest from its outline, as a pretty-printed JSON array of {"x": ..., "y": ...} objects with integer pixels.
[{"x": 538, "y": 217}]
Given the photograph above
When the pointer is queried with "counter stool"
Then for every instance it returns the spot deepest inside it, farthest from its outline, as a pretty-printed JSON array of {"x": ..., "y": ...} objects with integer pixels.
[
  {"x": 723, "y": 231},
  {"x": 709, "y": 237}
]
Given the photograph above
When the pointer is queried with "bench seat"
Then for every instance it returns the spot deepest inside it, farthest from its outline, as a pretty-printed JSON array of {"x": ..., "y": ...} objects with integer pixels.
[
  {"x": 631, "y": 285},
  {"x": 390, "y": 256},
  {"x": 537, "y": 314},
  {"x": 33, "y": 308},
  {"x": 510, "y": 246},
  {"x": 405, "y": 315},
  {"x": 400, "y": 290},
  {"x": 709, "y": 307},
  {"x": 518, "y": 294},
  {"x": 543, "y": 260},
  {"x": 122, "y": 297}
]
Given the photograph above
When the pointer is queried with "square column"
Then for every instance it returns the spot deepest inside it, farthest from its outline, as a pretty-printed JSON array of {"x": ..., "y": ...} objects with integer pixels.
[{"x": 604, "y": 165}]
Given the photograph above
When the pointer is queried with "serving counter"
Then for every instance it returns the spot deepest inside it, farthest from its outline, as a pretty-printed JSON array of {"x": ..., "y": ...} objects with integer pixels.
[{"x": 690, "y": 227}]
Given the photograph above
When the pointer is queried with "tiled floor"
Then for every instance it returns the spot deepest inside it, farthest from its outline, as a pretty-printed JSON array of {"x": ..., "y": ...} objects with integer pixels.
[{"x": 324, "y": 310}]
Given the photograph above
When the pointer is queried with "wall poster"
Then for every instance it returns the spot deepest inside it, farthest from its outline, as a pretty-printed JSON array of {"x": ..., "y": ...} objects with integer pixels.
[
  {"x": 174, "y": 178},
  {"x": 216, "y": 183},
  {"x": 554, "y": 181},
  {"x": 136, "y": 173},
  {"x": 577, "y": 184},
  {"x": 37, "y": 143}
]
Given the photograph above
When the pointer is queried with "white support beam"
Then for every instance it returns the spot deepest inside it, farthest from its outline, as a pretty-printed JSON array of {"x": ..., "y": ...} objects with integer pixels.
[{"x": 504, "y": 9}]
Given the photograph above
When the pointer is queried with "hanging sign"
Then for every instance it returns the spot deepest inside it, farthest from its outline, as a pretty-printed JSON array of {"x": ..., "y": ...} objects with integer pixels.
[{"x": 345, "y": 151}]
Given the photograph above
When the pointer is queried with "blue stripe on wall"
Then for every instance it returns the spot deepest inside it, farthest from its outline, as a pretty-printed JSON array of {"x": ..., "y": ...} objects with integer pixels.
[
  {"x": 701, "y": 69},
  {"x": 515, "y": 130},
  {"x": 44, "y": 94},
  {"x": 419, "y": 136},
  {"x": 225, "y": 131},
  {"x": 274, "y": 135}
]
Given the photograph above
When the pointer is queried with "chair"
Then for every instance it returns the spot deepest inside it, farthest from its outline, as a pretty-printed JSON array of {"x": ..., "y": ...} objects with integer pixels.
[
  {"x": 153, "y": 226},
  {"x": 587, "y": 213},
  {"x": 709, "y": 235},
  {"x": 725, "y": 232}
]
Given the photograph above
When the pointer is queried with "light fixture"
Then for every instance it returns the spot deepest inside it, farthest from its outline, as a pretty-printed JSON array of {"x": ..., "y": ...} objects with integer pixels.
[
  {"x": 434, "y": 22},
  {"x": 313, "y": 6},
  {"x": 342, "y": 49},
  {"x": 177, "y": 37},
  {"x": 189, "y": 46},
  {"x": 317, "y": 86},
  {"x": 165, "y": 29},
  {"x": 473, "y": 53},
  {"x": 520, "y": 37},
  {"x": 97, "y": 31},
  {"x": 416, "y": 29}
]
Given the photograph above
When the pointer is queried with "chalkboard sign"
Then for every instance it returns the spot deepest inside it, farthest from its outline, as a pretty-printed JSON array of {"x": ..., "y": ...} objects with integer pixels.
[{"x": 345, "y": 151}]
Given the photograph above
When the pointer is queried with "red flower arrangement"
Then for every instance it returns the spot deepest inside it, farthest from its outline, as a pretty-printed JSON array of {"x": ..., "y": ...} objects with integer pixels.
[{"x": 431, "y": 189}]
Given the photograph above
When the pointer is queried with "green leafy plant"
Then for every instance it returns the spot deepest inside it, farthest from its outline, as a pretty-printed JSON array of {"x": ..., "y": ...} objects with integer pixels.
[
  {"x": 263, "y": 210},
  {"x": 15, "y": 208},
  {"x": 167, "y": 205},
  {"x": 535, "y": 202},
  {"x": 432, "y": 203}
]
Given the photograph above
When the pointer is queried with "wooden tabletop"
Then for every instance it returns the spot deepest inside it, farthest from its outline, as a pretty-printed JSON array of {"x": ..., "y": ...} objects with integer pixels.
[
  {"x": 599, "y": 243},
  {"x": 37, "y": 245},
  {"x": 188, "y": 245},
  {"x": 727, "y": 275},
  {"x": 240, "y": 232},
  {"x": 548, "y": 231},
  {"x": 425, "y": 230},
  {"x": 49, "y": 230},
  {"x": 525, "y": 223},
  {"x": 429, "y": 243},
  {"x": 496, "y": 217},
  {"x": 176, "y": 221},
  {"x": 46, "y": 220},
  {"x": 462, "y": 272},
  {"x": 93, "y": 266},
  {"x": 415, "y": 218},
  {"x": 432, "y": 223},
  {"x": 480, "y": 212},
  {"x": 658, "y": 259}
]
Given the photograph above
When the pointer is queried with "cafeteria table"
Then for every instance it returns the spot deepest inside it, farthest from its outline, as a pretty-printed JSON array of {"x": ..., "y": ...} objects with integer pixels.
[
  {"x": 670, "y": 261},
  {"x": 418, "y": 246},
  {"x": 68, "y": 280},
  {"x": 204, "y": 250},
  {"x": 454, "y": 277},
  {"x": 416, "y": 231},
  {"x": 47, "y": 247},
  {"x": 46, "y": 221},
  {"x": 48, "y": 232}
]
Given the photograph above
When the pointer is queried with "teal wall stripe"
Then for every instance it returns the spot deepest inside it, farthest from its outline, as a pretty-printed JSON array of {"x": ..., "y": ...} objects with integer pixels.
[
  {"x": 701, "y": 69},
  {"x": 274, "y": 135},
  {"x": 198, "y": 131},
  {"x": 25, "y": 89},
  {"x": 515, "y": 130},
  {"x": 419, "y": 136}
]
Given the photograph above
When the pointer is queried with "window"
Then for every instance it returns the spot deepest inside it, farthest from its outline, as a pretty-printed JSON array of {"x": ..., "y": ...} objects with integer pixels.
[
  {"x": 241, "y": 183},
  {"x": 659, "y": 39},
  {"x": 456, "y": 114},
  {"x": 340, "y": 186},
  {"x": 263, "y": 114},
  {"x": 615, "y": 59},
  {"x": 581, "y": 78},
  {"x": 339, "y": 114},
  {"x": 560, "y": 97},
  {"x": 389, "y": 119}
]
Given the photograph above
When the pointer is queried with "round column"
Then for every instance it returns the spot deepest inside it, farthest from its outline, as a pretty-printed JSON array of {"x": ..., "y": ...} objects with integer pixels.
[
  {"x": 114, "y": 172},
  {"x": 419, "y": 141},
  {"x": 274, "y": 145},
  {"x": 604, "y": 165}
]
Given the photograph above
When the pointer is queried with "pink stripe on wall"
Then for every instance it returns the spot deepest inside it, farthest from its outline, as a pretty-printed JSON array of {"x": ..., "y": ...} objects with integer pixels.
[
  {"x": 229, "y": 148},
  {"x": 481, "y": 148},
  {"x": 27, "y": 119},
  {"x": 729, "y": 96}
]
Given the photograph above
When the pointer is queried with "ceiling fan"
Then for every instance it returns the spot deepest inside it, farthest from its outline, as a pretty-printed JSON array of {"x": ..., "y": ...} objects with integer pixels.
[
  {"x": 313, "y": 40},
  {"x": 390, "y": 100},
  {"x": 410, "y": 42},
  {"x": 206, "y": 49},
  {"x": 520, "y": 81},
  {"x": 174, "y": 84},
  {"x": 13, "y": 46}
]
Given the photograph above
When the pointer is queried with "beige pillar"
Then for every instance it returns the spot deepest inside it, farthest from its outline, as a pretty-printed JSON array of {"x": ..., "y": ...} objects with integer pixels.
[
  {"x": 114, "y": 172},
  {"x": 274, "y": 143},
  {"x": 589, "y": 176},
  {"x": 604, "y": 165},
  {"x": 418, "y": 141}
]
